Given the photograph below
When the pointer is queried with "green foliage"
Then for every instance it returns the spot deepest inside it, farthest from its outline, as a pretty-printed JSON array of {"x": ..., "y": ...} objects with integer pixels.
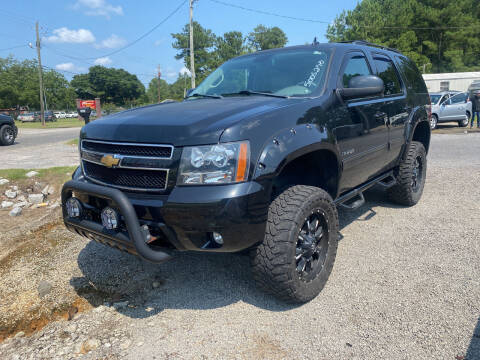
[
  {"x": 174, "y": 91},
  {"x": 211, "y": 50},
  {"x": 19, "y": 85},
  {"x": 263, "y": 38},
  {"x": 203, "y": 42},
  {"x": 110, "y": 85},
  {"x": 442, "y": 34},
  {"x": 228, "y": 46}
]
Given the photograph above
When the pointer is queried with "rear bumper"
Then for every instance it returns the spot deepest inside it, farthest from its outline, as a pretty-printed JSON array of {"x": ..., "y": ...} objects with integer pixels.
[{"x": 187, "y": 217}]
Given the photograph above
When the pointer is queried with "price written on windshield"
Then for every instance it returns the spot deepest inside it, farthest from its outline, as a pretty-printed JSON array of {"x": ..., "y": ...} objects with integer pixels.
[{"x": 313, "y": 75}]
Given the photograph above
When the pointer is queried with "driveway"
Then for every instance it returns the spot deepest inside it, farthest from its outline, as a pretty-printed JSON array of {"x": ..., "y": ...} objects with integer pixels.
[
  {"x": 405, "y": 285},
  {"x": 40, "y": 148}
]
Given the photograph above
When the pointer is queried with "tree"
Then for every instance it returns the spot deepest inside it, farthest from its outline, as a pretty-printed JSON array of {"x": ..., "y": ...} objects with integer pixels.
[
  {"x": 263, "y": 38},
  {"x": 111, "y": 85},
  {"x": 152, "y": 91},
  {"x": 19, "y": 86},
  {"x": 228, "y": 46},
  {"x": 203, "y": 42},
  {"x": 440, "y": 34},
  {"x": 58, "y": 92}
]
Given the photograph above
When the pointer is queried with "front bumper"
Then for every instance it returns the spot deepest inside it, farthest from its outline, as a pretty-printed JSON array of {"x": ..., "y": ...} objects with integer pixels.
[{"x": 185, "y": 218}]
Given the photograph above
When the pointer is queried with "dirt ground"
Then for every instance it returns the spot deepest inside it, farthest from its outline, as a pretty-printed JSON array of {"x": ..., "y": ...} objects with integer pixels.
[{"x": 405, "y": 285}]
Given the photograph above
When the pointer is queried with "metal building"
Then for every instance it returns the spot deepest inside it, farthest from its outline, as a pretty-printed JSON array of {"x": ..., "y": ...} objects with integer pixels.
[{"x": 450, "y": 81}]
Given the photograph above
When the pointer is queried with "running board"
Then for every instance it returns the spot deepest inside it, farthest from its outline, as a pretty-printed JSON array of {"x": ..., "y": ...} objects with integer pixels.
[{"x": 386, "y": 180}]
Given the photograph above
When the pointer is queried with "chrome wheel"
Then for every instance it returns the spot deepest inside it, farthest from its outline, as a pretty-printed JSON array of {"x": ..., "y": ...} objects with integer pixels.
[
  {"x": 433, "y": 122},
  {"x": 312, "y": 246}
]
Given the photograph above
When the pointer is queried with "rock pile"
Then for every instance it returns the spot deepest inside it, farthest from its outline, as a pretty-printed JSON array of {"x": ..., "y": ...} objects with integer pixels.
[{"x": 38, "y": 195}]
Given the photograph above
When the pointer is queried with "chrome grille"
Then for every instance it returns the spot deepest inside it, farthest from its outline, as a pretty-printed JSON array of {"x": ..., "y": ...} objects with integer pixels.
[
  {"x": 129, "y": 166},
  {"x": 146, "y": 150}
]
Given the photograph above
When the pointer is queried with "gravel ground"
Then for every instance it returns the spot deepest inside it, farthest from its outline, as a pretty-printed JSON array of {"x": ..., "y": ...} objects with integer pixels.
[
  {"x": 405, "y": 285},
  {"x": 40, "y": 148}
]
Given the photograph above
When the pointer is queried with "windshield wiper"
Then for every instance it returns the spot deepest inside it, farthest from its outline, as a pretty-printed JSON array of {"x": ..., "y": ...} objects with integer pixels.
[
  {"x": 206, "y": 95},
  {"x": 249, "y": 92}
]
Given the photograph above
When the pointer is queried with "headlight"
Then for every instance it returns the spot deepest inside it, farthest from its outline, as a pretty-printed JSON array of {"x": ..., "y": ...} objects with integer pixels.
[{"x": 214, "y": 164}]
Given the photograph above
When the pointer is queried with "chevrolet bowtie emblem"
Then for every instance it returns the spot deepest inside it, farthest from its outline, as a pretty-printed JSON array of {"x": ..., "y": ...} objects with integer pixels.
[{"x": 110, "y": 161}]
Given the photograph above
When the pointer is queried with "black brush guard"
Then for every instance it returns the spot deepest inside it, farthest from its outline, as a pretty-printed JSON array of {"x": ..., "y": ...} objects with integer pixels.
[{"x": 134, "y": 242}]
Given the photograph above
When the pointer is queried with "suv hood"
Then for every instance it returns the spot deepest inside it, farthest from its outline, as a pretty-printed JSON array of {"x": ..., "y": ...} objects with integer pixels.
[{"x": 193, "y": 122}]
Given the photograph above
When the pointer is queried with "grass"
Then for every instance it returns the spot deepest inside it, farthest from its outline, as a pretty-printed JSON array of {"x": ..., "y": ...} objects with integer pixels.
[
  {"x": 19, "y": 174},
  {"x": 72, "y": 142},
  {"x": 60, "y": 123}
]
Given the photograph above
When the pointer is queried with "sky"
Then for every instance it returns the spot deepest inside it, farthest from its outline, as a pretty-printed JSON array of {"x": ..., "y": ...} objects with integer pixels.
[{"x": 77, "y": 34}]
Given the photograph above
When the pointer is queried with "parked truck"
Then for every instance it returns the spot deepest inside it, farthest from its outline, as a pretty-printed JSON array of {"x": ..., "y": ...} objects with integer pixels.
[{"x": 257, "y": 158}]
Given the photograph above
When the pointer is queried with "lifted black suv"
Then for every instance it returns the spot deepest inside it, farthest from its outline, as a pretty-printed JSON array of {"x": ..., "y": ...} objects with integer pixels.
[
  {"x": 257, "y": 157},
  {"x": 8, "y": 130}
]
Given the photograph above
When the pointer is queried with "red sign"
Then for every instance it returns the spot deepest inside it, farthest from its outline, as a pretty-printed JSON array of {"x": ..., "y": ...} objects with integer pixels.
[{"x": 88, "y": 103}]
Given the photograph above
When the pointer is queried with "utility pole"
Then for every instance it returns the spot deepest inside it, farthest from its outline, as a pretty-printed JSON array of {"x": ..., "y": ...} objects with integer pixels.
[
  {"x": 192, "y": 57},
  {"x": 40, "y": 76},
  {"x": 158, "y": 81}
]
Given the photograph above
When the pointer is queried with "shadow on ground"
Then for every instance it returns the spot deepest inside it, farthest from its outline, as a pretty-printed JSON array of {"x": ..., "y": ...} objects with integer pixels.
[
  {"x": 189, "y": 281},
  {"x": 473, "y": 351}
]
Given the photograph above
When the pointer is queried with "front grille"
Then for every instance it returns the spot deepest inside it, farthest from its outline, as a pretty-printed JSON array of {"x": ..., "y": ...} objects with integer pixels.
[
  {"x": 127, "y": 178},
  {"x": 158, "y": 151}
]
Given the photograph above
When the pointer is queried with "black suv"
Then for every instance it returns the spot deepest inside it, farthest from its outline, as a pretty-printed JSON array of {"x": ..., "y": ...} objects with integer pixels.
[
  {"x": 257, "y": 157},
  {"x": 8, "y": 130}
]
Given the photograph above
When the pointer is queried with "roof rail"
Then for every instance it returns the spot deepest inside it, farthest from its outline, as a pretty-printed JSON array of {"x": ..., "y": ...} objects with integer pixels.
[{"x": 367, "y": 43}]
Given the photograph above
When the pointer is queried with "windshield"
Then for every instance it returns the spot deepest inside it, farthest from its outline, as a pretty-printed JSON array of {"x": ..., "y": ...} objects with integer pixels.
[
  {"x": 296, "y": 72},
  {"x": 434, "y": 98}
]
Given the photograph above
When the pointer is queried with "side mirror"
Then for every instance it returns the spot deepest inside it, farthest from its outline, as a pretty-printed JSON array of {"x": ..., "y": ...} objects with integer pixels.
[
  {"x": 363, "y": 86},
  {"x": 189, "y": 91}
]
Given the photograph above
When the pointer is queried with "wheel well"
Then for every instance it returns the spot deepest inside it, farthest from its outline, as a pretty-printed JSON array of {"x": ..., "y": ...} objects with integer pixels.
[
  {"x": 422, "y": 134},
  {"x": 318, "y": 168}
]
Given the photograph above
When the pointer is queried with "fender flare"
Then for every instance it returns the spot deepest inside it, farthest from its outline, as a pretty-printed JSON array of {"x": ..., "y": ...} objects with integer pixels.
[
  {"x": 287, "y": 145},
  {"x": 419, "y": 115}
]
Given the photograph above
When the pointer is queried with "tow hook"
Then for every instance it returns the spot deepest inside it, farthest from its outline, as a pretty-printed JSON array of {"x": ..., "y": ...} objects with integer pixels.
[{"x": 146, "y": 233}]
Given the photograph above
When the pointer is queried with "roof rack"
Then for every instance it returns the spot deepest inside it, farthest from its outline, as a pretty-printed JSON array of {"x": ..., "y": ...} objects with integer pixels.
[{"x": 367, "y": 43}]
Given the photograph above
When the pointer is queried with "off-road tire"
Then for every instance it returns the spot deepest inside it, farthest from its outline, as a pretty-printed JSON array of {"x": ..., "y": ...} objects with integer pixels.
[
  {"x": 7, "y": 135},
  {"x": 403, "y": 192},
  {"x": 274, "y": 260}
]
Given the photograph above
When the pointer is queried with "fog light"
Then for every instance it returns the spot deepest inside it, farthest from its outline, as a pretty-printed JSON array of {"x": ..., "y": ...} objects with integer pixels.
[
  {"x": 217, "y": 238},
  {"x": 110, "y": 218},
  {"x": 74, "y": 207}
]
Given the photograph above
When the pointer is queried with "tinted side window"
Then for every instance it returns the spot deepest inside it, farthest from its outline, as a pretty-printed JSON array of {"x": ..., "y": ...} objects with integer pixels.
[
  {"x": 386, "y": 71},
  {"x": 412, "y": 75},
  {"x": 356, "y": 66}
]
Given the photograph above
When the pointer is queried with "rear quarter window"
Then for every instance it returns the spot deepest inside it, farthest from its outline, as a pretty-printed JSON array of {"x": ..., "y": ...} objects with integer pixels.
[{"x": 412, "y": 75}]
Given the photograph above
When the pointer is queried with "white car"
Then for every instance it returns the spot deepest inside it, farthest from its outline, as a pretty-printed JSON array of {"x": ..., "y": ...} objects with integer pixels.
[
  {"x": 72, "y": 114},
  {"x": 60, "y": 114},
  {"x": 450, "y": 106}
]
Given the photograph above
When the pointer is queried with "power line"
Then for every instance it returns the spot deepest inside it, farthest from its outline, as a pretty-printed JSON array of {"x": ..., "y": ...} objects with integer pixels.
[
  {"x": 142, "y": 36},
  {"x": 13, "y": 47},
  {"x": 67, "y": 56},
  {"x": 269, "y": 13},
  {"x": 328, "y": 22}
]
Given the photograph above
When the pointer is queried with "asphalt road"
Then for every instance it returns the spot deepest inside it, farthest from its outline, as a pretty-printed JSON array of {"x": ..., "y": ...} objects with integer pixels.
[
  {"x": 40, "y": 137},
  {"x": 40, "y": 148},
  {"x": 405, "y": 285}
]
